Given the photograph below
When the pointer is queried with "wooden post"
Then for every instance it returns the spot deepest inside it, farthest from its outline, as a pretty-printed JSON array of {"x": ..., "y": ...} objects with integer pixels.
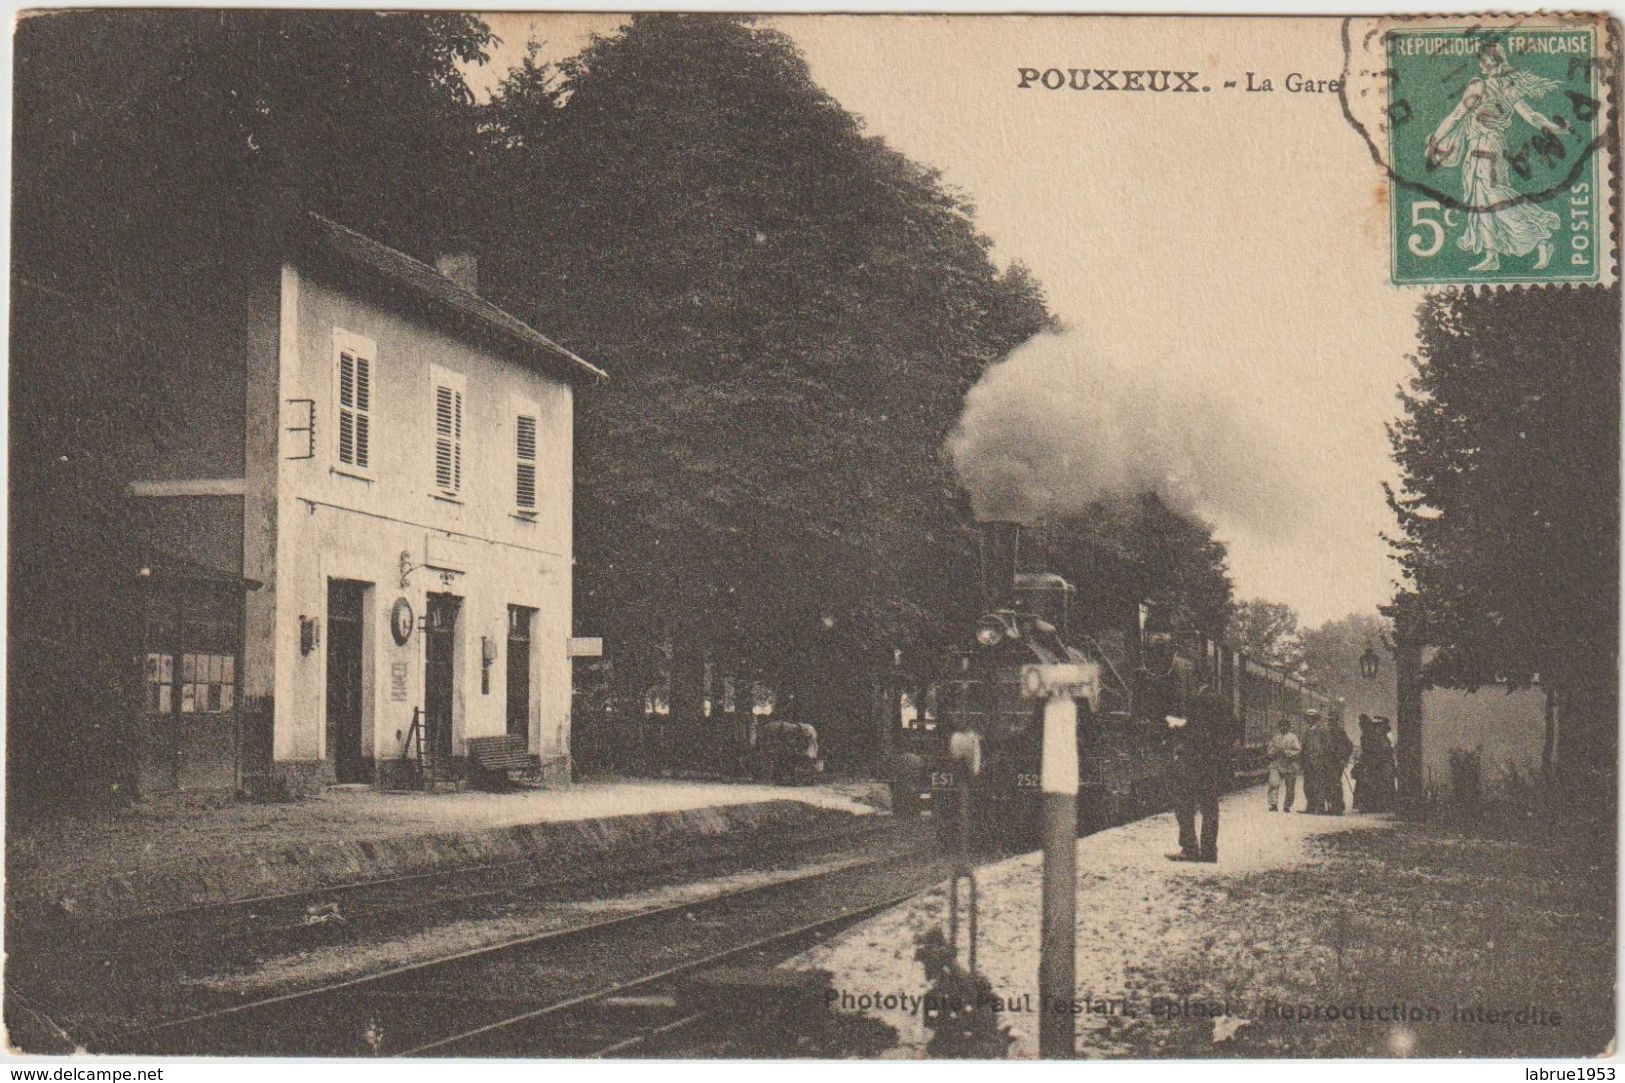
[{"x": 1057, "y": 981}]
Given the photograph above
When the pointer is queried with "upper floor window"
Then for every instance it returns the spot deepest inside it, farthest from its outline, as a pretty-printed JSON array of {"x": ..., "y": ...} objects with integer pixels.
[
  {"x": 354, "y": 365},
  {"x": 525, "y": 424},
  {"x": 447, "y": 390}
]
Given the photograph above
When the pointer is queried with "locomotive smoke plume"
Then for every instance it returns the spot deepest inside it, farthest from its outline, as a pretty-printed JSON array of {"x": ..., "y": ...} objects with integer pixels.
[{"x": 1055, "y": 426}]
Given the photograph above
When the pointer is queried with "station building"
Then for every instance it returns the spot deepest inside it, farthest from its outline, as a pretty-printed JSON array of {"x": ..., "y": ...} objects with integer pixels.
[{"x": 364, "y": 523}]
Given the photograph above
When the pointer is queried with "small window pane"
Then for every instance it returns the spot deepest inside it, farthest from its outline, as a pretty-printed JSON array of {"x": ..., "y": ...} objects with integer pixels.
[
  {"x": 228, "y": 672},
  {"x": 166, "y": 699},
  {"x": 188, "y": 698},
  {"x": 189, "y": 667},
  {"x": 228, "y": 697}
]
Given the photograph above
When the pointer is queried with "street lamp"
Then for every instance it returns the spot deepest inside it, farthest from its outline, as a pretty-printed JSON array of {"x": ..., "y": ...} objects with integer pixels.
[{"x": 1369, "y": 663}]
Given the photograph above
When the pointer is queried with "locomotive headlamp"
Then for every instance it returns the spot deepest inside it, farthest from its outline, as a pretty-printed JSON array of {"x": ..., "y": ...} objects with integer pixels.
[{"x": 995, "y": 628}]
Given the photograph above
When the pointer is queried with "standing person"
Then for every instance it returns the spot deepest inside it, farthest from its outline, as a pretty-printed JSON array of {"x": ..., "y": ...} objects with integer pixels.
[
  {"x": 1362, "y": 766},
  {"x": 1315, "y": 753},
  {"x": 1339, "y": 749},
  {"x": 1284, "y": 752},
  {"x": 1197, "y": 773},
  {"x": 1375, "y": 772}
]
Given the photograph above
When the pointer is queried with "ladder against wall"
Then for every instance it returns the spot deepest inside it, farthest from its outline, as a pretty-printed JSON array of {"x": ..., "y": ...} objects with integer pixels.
[{"x": 426, "y": 772}]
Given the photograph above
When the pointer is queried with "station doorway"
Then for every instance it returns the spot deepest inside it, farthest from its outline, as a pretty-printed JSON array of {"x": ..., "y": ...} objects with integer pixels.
[
  {"x": 440, "y": 673},
  {"x": 346, "y": 748},
  {"x": 519, "y": 620}
]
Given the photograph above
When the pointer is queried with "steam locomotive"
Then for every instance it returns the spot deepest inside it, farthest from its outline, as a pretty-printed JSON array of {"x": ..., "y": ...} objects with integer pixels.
[{"x": 976, "y": 737}]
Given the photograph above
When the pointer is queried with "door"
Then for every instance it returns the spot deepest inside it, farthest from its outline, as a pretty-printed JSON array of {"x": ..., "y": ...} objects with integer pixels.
[
  {"x": 345, "y": 747},
  {"x": 190, "y": 720},
  {"x": 159, "y": 755},
  {"x": 439, "y": 685},
  {"x": 519, "y": 618}
]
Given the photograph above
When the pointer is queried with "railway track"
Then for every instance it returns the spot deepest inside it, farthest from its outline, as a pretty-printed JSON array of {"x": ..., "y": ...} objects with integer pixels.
[
  {"x": 576, "y": 991},
  {"x": 614, "y": 986},
  {"x": 294, "y": 920}
]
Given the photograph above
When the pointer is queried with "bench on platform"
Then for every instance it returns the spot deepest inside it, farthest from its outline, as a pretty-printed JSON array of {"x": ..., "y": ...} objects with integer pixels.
[{"x": 492, "y": 761}]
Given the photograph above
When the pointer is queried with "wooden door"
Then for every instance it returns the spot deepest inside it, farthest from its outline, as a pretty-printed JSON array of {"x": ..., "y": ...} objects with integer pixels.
[
  {"x": 345, "y": 744},
  {"x": 440, "y": 674},
  {"x": 519, "y": 619}
]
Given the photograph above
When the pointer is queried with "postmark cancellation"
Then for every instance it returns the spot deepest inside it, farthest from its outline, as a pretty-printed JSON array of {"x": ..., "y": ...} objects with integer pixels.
[{"x": 1499, "y": 140}]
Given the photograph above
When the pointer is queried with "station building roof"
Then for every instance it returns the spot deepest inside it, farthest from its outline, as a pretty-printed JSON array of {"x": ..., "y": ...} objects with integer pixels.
[{"x": 400, "y": 272}]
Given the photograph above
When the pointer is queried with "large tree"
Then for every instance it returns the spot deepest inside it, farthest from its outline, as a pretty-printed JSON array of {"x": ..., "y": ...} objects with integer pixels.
[
  {"x": 135, "y": 131},
  {"x": 791, "y": 312},
  {"x": 1509, "y": 503}
]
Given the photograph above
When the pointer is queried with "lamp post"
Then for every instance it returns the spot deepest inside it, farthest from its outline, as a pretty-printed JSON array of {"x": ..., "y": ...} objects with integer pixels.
[
  {"x": 1369, "y": 662},
  {"x": 1058, "y": 685}
]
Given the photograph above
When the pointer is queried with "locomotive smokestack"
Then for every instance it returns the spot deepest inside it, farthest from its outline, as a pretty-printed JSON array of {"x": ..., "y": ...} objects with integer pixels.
[{"x": 999, "y": 544}]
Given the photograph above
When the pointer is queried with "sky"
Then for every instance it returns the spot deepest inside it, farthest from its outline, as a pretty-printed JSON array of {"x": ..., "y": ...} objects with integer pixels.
[{"x": 1227, "y": 249}]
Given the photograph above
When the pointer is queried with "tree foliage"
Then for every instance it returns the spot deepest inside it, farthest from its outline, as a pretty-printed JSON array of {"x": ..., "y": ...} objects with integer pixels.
[
  {"x": 1124, "y": 551},
  {"x": 1331, "y": 662},
  {"x": 1269, "y": 632},
  {"x": 791, "y": 312},
  {"x": 136, "y": 131},
  {"x": 1509, "y": 504}
]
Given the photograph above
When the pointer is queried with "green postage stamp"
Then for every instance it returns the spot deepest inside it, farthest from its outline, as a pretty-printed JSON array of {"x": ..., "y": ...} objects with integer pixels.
[{"x": 1497, "y": 139}]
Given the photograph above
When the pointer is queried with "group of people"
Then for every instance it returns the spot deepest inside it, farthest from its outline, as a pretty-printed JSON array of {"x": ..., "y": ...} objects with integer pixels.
[
  {"x": 1322, "y": 757},
  {"x": 1199, "y": 769}
]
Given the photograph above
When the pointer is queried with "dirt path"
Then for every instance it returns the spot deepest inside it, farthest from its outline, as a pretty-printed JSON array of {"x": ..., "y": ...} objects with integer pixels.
[{"x": 1304, "y": 917}]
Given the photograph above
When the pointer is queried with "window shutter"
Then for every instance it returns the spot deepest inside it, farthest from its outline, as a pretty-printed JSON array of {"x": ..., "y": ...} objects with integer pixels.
[
  {"x": 448, "y": 439},
  {"x": 525, "y": 455},
  {"x": 354, "y": 407},
  {"x": 346, "y": 408}
]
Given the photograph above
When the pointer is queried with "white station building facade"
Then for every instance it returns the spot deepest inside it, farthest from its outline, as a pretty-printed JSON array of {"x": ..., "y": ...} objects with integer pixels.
[{"x": 396, "y": 492}]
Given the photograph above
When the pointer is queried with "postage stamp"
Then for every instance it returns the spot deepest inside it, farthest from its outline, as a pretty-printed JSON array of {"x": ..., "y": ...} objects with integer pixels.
[{"x": 1496, "y": 133}]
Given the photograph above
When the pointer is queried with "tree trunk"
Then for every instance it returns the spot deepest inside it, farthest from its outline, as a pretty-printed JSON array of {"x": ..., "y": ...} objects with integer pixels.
[
  {"x": 1587, "y": 747},
  {"x": 1408, "y": 744}
]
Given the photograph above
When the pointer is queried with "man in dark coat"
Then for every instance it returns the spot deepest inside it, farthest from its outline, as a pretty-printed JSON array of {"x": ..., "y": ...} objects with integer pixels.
[
  {"x": 1339, "y": 749},
  {"x": 1315, "y": 754},
  {"x": 1199, "y": 760},
  {"x": 1326, "y": 749}
]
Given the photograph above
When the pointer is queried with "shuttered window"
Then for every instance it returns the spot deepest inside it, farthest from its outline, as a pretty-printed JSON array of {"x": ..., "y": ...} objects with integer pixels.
[
  {"x": 448, "y": 432},
  {"x": 355, "y": 369},
  {"x": 525, "y": 415}
]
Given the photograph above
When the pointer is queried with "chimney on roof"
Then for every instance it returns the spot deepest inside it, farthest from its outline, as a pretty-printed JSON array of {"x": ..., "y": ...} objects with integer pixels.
[{"x": 460, "y": 265}]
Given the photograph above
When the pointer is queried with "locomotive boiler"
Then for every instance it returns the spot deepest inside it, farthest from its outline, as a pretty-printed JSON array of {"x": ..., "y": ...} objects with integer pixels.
[{"x": 977, "y": 737}]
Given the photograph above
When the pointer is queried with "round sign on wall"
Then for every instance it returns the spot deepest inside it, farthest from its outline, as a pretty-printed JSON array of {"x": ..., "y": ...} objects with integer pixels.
[{"x": 400, "y": 621}]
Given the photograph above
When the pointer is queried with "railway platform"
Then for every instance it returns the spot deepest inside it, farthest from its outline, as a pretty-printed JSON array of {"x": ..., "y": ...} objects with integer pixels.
[
  {"x": 1421, "y": 929},
  {"x": 172, "y": 856}
]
